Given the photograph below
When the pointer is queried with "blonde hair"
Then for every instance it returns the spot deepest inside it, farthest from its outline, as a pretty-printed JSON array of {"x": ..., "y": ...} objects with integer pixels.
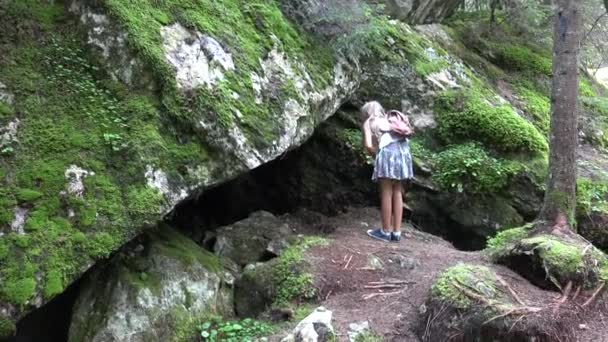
[{"x": 371, "y": 109}]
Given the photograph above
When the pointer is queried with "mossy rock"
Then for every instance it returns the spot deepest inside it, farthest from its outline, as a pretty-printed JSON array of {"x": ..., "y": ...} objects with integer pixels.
[
  {"x": 278, "y": 282},
  {"x": 474, "y": 303},
  {"x": 549, "y": 260},
  {"x": 469, "y": 115},
  {"x": 151, "y": 291}
]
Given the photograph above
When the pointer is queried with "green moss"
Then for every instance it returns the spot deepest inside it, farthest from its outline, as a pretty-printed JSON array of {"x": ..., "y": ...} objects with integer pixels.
[
  {"x": 19, "y": 291},
  {"x": 498, "y": 244},
  {"x": 54, "y": 284},
  {"x": 7, "y": 203},
  {"x": 585, "y": 89},
  {"x": 7, "y": 327},
  {"x": 102, "y": 244},
  {"x": 6, "y": 111},
  {"x": 537, "y": 105},
  {"x": 480, "y": 279},
  {"x": 521, "y": 58},
  {"x": 557, "y": 256},
  {"x": 369, "y": 336},
  {"x": 28, "y": 195},
  {"x": 245, "y": 28},
  {"x": 603, "y": 274},
  {"x": 144, "y": 202},
  {"x": 290, "y": 280},
  {"x": 598, "y": 105},
  {"x": 465, "y": 115},
  {"x": 424, "y": 68},
  {"x": 169, "y": 242}
]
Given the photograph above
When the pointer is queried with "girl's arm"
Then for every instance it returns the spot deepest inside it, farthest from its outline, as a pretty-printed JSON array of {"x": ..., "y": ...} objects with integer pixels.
[{"x": 367, "y": 137}]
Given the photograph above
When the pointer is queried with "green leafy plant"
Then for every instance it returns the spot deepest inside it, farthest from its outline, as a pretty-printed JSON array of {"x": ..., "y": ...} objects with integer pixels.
[
  {"x": 246, "y": 330},
  {"x": 591, "y": 196},
  {"x": 469, "y": 169}
]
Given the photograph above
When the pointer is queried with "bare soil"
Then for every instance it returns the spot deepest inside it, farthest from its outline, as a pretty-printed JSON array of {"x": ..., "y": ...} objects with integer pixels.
[{"x": 362, "y": 279}]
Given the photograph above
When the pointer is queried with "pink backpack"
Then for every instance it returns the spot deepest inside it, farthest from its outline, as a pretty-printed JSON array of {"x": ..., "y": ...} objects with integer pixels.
[{"x": 399, "y": 123}]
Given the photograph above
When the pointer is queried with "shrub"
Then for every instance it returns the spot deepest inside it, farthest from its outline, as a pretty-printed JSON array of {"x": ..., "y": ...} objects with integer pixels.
[
  {"x": 591, "y": 196},
  {"x": 468, "y": 168}
]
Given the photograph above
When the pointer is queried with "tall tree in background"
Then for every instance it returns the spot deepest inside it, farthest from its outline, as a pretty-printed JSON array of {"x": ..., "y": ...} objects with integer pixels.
[{"x": 560, "y": 197}]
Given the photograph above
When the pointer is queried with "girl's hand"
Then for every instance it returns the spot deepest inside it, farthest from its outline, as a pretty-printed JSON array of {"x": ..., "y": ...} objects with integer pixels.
[{"x": 371, "y": 150}]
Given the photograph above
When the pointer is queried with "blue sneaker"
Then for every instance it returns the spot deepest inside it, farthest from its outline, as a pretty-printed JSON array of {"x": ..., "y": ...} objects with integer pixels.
[
  {"x": 379, "y": 235},
  {"x": 395, "y": 237}
]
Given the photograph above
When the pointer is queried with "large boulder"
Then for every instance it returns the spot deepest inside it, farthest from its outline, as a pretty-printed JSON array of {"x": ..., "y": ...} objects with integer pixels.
[
  {"x": 260, "y": 237},
  {"x": 154, "y": 293},
  {"x": 126, "y": 109}
]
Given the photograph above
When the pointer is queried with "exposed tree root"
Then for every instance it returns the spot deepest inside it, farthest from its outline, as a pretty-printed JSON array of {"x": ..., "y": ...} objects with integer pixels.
[
  {"x": 513, "y": 293},
  {"x": 564, "y": 297},
  {"x": 592, "y": 298}
]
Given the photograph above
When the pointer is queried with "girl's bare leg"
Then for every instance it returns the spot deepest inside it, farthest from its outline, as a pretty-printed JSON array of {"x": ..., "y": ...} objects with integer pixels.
[
  {"x": 397, "y": 205},
  {"x": 386, "y": 198}
]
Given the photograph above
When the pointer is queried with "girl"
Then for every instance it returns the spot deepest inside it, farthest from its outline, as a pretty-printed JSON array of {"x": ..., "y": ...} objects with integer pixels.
[{"x": 392, "y": 166}]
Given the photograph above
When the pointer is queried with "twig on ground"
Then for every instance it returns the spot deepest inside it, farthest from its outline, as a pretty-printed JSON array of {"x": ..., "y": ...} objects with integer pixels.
[
  {"x": 577, "y": 292},
  {"x": 513, "y": 293},
  {"x": 597, "y": 291},
  {"x": 348, "y": 262},
  {"x": 328, "y": 294},
  {"x": 380, "y": 294},
  {"x": 392, "y": 282},
  {"x": 517, "y": 321},
  {"x": 385, "y": 286},
  {"x": 350, "y": 249}
]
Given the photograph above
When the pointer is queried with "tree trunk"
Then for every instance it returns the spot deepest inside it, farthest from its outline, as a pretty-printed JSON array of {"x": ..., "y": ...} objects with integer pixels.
[{"x": 560, "y": 197}]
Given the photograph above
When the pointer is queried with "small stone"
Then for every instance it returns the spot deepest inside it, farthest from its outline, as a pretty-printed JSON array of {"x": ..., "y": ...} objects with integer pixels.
[
  {"x": 375, "y": 263},
  {"x": 422, "y": 309},
  {"x": 582, "y": 326},
  {"x": 408, "y": 263}
]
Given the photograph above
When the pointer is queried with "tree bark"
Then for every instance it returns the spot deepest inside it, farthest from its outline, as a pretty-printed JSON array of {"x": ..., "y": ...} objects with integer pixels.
[{"x": 560, "y": 197}]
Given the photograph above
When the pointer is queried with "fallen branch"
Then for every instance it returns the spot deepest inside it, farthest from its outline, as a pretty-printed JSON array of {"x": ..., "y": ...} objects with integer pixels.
[
  {"x": 394, "y": 282},
  {"x": 597, "y": 291},
  {"x": 385, "y": 286},
  {"x": 380, "y": 294}
]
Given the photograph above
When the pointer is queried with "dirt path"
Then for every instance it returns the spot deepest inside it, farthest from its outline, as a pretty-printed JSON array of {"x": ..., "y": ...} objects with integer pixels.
[{"x": 353, "y": 261}]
